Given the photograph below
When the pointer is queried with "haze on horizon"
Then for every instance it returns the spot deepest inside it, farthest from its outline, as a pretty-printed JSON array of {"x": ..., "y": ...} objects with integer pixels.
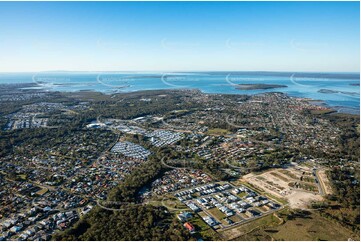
[{"x": 187, "y": 36}]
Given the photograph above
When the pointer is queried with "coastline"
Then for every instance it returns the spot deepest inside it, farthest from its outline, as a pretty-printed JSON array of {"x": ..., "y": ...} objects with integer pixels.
[
  {"x": 335, "y": 109},
  {"x": 35, "y": 86}
]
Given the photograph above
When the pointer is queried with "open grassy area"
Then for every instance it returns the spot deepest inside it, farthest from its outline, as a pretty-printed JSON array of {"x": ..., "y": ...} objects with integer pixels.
[
  {"x": 302, "y": 226},
  {"x": 241, "y": 195},
  {"x": 218, "y": 132},
  {"x": 202, "y": 214},
  {"x": 308, "y": 179},
  {"x": 170, "y": 202},
  {"x": 42, "y": 191},
  {"x": 235, "y": 233},
  {"x": 243, "y": 216},
  {"x": 311, "y": 228},
  {"x": 203, "y": 230},
  {"x": 217, "y": 213},
  {"x": 235, "y": 218},
  {"x": 86, "y": 95},
  {"x": 327, "y": 111},
  {"x": 22, "y": 177},
  {"x": 305, "y": 186}
]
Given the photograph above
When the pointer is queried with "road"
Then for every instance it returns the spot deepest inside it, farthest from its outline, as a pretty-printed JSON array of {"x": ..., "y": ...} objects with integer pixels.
[
  {"x": 243, "y": 220},
  {"x": 320, "y": 184},
  {"x": 253, "y": 218}
]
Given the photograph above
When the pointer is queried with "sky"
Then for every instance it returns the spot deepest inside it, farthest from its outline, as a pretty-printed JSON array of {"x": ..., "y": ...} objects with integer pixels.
[{"x": 180, "y": 36}]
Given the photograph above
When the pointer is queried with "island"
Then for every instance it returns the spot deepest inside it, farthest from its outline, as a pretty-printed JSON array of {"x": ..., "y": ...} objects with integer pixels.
[
  {"x": 258, "y": 86},
  {"x": 328, "y": 91}
]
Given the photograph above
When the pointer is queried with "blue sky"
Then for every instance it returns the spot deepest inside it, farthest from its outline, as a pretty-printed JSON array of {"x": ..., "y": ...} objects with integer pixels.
[{"x": 173, "y": 36}]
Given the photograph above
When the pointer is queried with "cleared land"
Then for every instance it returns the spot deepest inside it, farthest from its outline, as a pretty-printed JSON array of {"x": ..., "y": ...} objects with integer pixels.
[
  {"x": 325, "y": 183},
  {"x": 217, "y": 131},
  {"x": 296, "y": 184}
]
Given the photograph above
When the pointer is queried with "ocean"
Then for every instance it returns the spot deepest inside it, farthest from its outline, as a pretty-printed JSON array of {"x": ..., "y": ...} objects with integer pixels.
[{"x": 340, "y": 91}]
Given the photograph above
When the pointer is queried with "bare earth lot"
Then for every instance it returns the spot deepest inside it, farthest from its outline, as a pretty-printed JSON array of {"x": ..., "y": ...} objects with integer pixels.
[{"x": 277, "y": 182}]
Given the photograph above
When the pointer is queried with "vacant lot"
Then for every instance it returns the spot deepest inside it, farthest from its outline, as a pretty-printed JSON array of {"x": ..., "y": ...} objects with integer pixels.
[
  {"x": 203, "y": 230},
  {"x": 218, "y": 132},
  {"x": 233, "y": 233},
  {"x": 293, "y": 184},
  {"x": 300, "y": 199},
  {"x": 217, "y": 213},
  {"x": 324, "y": 181},
  {"x": 304, "y": 226}
]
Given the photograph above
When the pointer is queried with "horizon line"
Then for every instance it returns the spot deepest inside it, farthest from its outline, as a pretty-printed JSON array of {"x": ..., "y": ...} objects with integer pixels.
[{"x": 172, "y": 71}]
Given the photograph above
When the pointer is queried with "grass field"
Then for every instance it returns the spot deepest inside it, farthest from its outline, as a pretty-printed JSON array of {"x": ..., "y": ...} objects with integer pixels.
[
  {"x": 243, "y": 216},
  {"x": 42, "y": 191},
  {"x": 86, "y": 95},
  {"x": 235, "y": 218},
  {"x": 236, "y": 232},
  {"x": 202, "y": 214},
  {"x": 327, "y": 111},
  {"x": 217, "y": 213},
  {"x": 22, "y": 176},
  {"x": 306, "y": 226},
  {"x": 241, "y": 195},
  {"x": 217, "y": 132},
  {"x": 170, "y": 202},
  {"x": 308, "y": 179}
]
